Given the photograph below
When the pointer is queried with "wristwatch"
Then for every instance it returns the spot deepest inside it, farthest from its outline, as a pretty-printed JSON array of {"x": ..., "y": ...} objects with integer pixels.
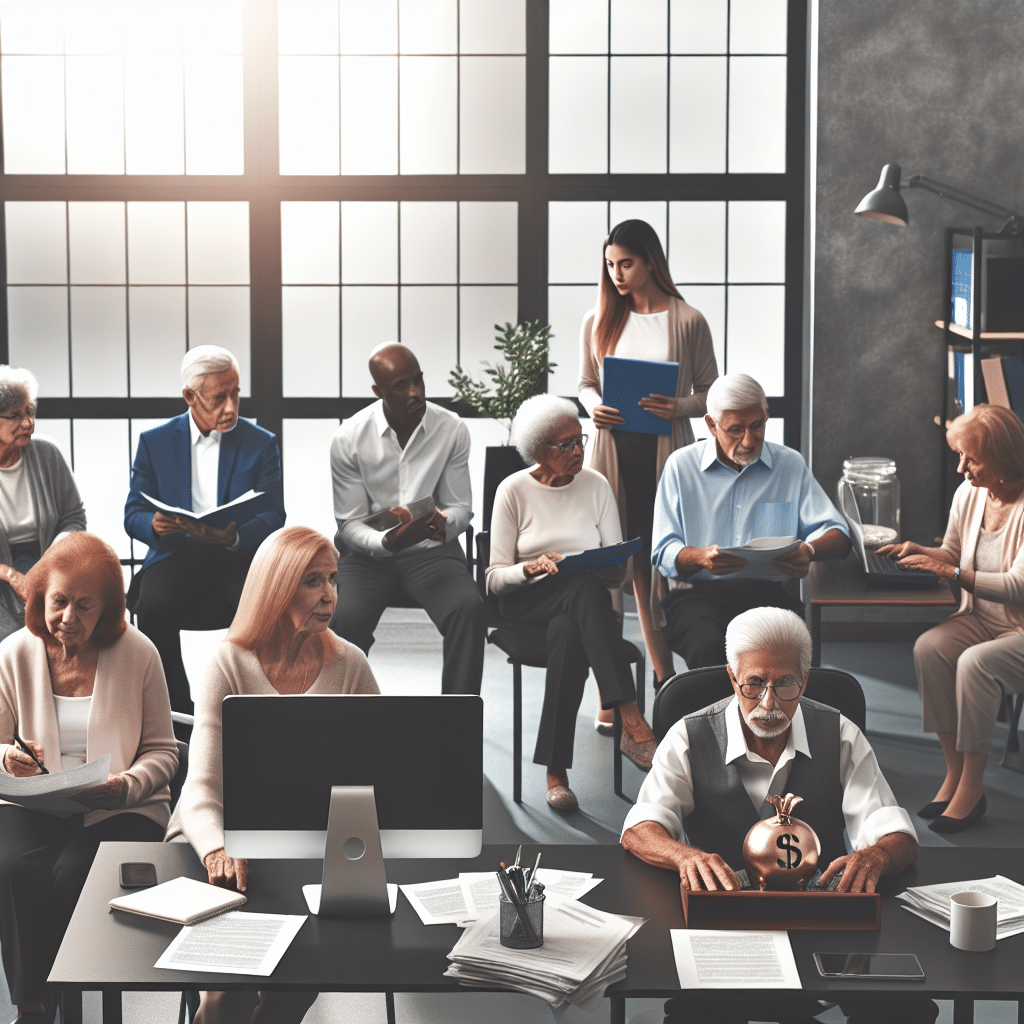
[{"x": 956, "y": 574}]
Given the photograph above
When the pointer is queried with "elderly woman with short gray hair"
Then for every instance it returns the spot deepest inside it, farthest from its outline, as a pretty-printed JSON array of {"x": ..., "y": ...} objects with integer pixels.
[
  {"x": 39, "y": 501},
  {"x": 557, "y": 506}
]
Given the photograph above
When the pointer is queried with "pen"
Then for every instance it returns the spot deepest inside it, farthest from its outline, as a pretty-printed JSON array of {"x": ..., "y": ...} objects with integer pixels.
[
  {"x": 533, "y": 879},
  {"x": 510, "y": 894},
  {"x": 25, "y": 749}
]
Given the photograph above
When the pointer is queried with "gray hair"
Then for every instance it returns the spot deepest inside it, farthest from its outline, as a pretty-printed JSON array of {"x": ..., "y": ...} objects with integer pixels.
[
  {"x": 534, "y": 421},
  {"x": 203, "y": 360},
  {"x": 733, "y": 391},
  {"x": 768, "y": 629},
  {"x": 17, "y": 386}
]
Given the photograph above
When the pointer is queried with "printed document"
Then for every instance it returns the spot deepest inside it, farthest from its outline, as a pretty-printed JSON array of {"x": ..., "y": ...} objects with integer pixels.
[
  {"x": 759, "y": 554},
  {"x": 727, "y": 959},
  {"x": 54, "y": 793},
  {"x": 234, "y": 943},
  {"x": 480, "y": 888},
  {"x": 438, "y": 902}
]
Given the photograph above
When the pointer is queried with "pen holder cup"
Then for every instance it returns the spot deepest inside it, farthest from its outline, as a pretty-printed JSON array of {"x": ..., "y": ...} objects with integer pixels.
[{"x": 521, "y": 927}]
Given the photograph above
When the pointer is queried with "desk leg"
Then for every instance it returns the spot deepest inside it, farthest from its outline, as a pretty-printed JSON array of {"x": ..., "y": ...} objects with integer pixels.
[
  {"x": 816, "y": 634},
  {"x": 963, "y": 1010},
  {"x": 389, "y": 1003},
  {"x": 111, "y": 1007},
  {"x": 70, "y": 1006},
  {"x": 617, "y": 1010}
]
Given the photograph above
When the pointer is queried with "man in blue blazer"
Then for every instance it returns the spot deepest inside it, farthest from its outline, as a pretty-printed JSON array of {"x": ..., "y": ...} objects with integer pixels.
[{"x": 193, "y": 573}]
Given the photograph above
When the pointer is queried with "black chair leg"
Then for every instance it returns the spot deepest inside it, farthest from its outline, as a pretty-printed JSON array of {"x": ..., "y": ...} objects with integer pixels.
[{"x": 517, "y": 732}]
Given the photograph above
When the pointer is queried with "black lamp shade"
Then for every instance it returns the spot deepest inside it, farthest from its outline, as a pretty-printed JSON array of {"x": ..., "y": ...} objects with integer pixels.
[{"x": 885, "y": 203}]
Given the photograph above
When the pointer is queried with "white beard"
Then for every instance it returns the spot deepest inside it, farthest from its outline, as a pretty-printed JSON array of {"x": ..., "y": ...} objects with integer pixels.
[{"x": 769, "y": 724}]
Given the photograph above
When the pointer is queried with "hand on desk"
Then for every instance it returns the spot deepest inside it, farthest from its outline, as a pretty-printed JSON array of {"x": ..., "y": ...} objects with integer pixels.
[
  {"x": 861, "y": 870},
  {"x": 227, "y": 872},
  {"x": 163, "y": 526},
  {"x": 699, "y": 870}
]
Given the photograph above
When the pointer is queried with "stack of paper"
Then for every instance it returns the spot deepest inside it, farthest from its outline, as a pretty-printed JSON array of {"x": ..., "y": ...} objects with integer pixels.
[
  {"x": 584, "y": 952},
  {"x": 932, "y": 902}
]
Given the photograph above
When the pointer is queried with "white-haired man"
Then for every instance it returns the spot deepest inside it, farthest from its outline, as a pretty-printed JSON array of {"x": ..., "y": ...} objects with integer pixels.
[
  {"x": 193, "y": 573},
  {"x": 714, "y": 769},
  {"x": 725, "y": 491},
  {"x": 389, "y": 454}
]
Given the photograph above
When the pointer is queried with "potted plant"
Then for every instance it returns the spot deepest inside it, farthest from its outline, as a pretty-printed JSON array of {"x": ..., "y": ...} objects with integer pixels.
[{"x": 524, "y": 361}]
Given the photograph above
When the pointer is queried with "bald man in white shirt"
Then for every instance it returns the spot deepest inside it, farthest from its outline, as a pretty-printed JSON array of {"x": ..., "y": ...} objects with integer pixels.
[{"x": 394, "y": 452}]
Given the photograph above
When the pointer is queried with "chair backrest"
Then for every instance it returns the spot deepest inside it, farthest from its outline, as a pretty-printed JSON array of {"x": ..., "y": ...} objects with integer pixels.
[{"x": 690, "y": 691}]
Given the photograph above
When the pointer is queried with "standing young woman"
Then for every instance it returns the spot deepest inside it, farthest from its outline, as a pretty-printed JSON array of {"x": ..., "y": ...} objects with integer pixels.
[{"x": 641, "y": 315}]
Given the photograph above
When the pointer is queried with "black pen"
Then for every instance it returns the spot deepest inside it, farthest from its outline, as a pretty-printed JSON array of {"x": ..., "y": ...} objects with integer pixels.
[{"x": 25, "y": 749}]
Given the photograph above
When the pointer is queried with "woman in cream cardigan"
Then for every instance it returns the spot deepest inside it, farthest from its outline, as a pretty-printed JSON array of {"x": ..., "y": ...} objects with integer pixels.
[
  {"x": 75, "y": 684},
  {"x": 641, "y": 315},
  {"x": 965, "y": 663},
  {"x": 279, "y": 643}
]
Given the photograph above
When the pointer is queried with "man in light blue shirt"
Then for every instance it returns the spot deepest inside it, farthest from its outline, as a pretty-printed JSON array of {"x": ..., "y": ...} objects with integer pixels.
[{"x": 723, "y": 492}]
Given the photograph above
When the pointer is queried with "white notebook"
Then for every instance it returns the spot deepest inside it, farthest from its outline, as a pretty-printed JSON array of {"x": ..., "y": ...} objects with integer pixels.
[{"x": 182, "y": 900}]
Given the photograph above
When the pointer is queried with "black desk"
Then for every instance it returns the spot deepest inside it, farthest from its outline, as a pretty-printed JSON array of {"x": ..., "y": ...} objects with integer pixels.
[{"x": 113, "y": 952}]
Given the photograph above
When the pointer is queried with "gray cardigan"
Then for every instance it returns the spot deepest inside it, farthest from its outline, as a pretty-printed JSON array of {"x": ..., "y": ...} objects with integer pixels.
[{"x": 58, "y": 507}]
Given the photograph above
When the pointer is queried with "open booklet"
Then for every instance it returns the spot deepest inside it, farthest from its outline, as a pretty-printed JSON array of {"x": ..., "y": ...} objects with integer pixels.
[
  {"x": 239, "y": 510},
  {"x": 389, "y": 518},
  {"x": 54, "y": 793},
  {"x": 759, "y": 554}
]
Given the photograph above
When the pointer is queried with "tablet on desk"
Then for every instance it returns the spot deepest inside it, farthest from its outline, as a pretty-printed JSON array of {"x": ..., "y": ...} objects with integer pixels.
[{"x": 870, "y": 966}]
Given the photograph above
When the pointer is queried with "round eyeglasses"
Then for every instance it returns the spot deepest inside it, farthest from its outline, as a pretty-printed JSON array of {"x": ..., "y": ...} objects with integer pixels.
[
  {"x": 570, "y": 443},
  {"x": 783, "y": 691}
]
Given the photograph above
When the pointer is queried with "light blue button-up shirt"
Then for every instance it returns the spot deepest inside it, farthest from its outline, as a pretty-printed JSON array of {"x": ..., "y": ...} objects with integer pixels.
[{"x": 702, "y": 501}]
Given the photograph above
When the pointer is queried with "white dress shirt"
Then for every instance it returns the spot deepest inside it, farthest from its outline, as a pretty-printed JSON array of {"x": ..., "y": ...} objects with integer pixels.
[
  {"x": 373, "y": 472},
  {"x": 205, "y": 458},
  {"x": 869, "y": 807}
]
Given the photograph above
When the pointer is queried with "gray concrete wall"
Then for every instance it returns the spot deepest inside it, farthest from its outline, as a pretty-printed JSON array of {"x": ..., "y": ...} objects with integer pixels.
[{"x": 938, "y": 87}]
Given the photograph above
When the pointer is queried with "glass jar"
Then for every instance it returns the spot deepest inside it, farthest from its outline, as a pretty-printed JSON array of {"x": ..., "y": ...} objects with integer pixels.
[{"x": 876, "y": 489}]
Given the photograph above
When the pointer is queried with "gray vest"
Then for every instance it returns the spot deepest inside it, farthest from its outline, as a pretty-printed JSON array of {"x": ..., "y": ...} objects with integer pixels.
[{"x": 723, "y": 813}]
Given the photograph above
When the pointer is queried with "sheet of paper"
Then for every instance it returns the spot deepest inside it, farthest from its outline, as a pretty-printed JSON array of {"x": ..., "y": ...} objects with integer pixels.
[
  {"x": 727, "y": 959},
  {"x": 759, "y": 554},
  {"x": 480, "y": 888},
  {"x": 234, "y": 943},
  {"x": 438, "y": 902},
  {"x": 311, "y": 894},
  {"x": 53, "y": 793}
]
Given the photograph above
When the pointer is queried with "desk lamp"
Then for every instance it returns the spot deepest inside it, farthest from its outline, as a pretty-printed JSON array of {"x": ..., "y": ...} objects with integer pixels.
[{"x": 886, "y": 204}]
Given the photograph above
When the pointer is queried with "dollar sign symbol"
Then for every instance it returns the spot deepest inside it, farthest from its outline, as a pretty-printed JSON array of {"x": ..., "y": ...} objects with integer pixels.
[{"x": 793, "y": 855}]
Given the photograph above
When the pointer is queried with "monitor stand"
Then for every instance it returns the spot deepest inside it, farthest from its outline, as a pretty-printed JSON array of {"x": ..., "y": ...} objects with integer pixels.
[{"x": 355, "y": 884}]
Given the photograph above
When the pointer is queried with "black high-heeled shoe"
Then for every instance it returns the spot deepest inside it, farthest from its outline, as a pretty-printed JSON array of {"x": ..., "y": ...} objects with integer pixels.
[
  {"x": 933, "y": 810},
  {"x": 946, "y": 825}
]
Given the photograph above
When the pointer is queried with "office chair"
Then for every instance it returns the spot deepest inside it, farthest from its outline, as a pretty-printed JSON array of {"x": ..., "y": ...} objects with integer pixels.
[
  {"x": 527, "y": 645},
  {"x": 691, "y": 691}
]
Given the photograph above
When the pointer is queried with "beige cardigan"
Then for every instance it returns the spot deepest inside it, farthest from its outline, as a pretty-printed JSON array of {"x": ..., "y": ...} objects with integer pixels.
[
  {"x": 199, "y": 816},
  {"x": 130, "y": 717},
  {"x": 689, "y": 344},
  {"x": 961, "y": 541}
]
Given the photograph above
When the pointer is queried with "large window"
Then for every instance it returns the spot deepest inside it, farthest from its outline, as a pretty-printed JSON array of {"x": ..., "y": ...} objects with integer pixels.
[{"x": 300, "y": 180}]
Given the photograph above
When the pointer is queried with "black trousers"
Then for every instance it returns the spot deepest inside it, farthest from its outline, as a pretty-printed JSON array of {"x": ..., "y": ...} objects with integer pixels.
[
  {"x": 583, "y": 632},
  {"x": 696, "y": 619},
  {"x": 638, "y": 468},
  {"x": 197, "y": 587},
  {"x": 436, "y": 578},
  {"x": 694, "y": 1008},
  {"x": 44, "y": 861}
]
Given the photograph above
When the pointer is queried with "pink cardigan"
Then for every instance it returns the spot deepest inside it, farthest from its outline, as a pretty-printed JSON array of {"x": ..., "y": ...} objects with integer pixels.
[{"x": 130, "y": 717}]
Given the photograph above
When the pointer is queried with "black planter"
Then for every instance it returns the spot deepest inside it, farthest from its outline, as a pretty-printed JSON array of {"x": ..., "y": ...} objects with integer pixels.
[{"x": 501, "y": 461}]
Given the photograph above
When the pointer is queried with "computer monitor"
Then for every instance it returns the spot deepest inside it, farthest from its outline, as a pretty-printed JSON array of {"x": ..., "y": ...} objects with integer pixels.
[{"x": 422, "y": 755}]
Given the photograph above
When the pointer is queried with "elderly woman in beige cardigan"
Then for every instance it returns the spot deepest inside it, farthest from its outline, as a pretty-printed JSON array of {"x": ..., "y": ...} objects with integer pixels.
[
  {"x": 75, "y": 684},
  {"x": 279, "y": 643},
  {"x": 966, "y": 663},
  {"x": 641, "y": 315}
]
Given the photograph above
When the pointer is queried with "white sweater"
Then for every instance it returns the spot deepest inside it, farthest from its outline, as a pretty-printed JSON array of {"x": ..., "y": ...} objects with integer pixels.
[{"x": 531, "y": 518}]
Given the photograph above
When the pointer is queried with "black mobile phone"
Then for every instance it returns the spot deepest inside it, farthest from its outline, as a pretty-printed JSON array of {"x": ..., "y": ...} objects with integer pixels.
[
  {"x": 898, "y": 966},
  {"x": 137, "y": 874}
]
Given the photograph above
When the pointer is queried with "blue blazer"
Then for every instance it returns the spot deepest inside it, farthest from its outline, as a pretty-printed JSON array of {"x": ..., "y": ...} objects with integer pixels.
[{"x": 249, "y": 459}]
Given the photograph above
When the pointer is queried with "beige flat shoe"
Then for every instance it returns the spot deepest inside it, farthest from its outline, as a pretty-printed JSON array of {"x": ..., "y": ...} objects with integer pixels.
[
  {"x": 562, "y": 798},
  {"x": 641, "y": 754}
]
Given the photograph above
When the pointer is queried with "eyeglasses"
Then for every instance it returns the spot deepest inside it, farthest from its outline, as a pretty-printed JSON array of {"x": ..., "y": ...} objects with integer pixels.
[
  {"x": 571, "y": 442},
  {"x": 28, "y": 413},
  {"x": 788, "y": 690},
  {"x": 739, "y": 430}
]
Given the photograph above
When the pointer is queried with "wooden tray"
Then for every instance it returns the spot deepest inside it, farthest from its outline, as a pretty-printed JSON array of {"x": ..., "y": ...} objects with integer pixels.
[{"x": 797, "y": 911}]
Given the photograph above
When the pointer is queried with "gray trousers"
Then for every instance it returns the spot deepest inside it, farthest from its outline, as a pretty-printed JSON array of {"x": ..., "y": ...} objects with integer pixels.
[
  {"x": 436, "y": 578},
  {"x": 963, "y": 668}
]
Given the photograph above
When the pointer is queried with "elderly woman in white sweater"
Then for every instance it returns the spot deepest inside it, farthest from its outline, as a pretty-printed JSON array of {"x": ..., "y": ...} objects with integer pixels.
[
  {"x": 539, "y": 515},
  {"x": 75, "y": 684},
  {"x": 279, "y": 643}
]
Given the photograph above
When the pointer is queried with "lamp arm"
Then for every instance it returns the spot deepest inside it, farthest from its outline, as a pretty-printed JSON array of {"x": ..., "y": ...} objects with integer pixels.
[{"x": 1014, "y": 223}]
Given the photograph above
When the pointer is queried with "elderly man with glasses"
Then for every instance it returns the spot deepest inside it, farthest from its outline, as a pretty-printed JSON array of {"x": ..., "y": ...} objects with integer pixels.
[
  {"x": 193, "y": 573},
  {"x": 714, "y": 770},
  {"x": 726, "y": 491}
]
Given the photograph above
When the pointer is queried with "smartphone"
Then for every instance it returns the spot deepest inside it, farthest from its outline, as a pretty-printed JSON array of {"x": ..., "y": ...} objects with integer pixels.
[
  {"x": 137, "y": 874},
  {"x": 898, "y": 966}
]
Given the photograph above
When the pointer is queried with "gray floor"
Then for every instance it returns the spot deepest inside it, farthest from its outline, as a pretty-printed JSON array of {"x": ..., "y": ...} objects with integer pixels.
[{"x": 407, "y": 659}]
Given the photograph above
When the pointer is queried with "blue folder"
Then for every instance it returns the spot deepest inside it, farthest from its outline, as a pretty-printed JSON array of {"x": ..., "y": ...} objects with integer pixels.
[
  {"x": 599, "y": 558},
  {"x": 626, "y": 381}
]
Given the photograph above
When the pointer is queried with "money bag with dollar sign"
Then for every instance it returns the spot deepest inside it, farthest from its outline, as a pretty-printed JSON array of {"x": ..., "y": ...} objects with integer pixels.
[{"x": 781, "y": 852}]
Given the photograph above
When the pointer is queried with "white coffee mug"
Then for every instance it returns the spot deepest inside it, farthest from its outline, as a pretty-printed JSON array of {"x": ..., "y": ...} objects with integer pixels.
[{"x": 972, "y": 921}]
